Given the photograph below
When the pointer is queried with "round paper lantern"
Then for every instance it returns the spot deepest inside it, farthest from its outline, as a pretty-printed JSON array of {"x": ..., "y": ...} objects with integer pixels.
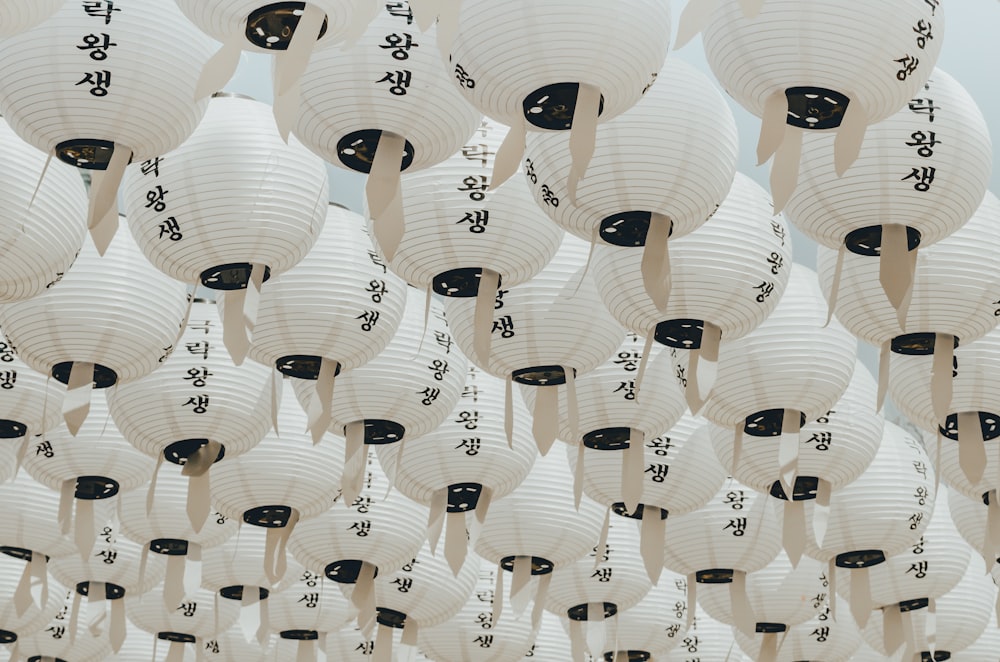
[
  {"x": 533, "y": 65},
  {"x": 551, "y": 643},
  {"x": 637, "y": 171},
  {"x": 608, "y": 581},
  {"x": 707, "y": 639},
  {"x": 123, "y": 88},
  {"x": 544, "y": 333},
  {"x": 65, "y": 639},
  {"x": 464, "y": 464},
  {"x": 768, "y": 65},
  {"x": 23, "y": 615},
  {"x": 455, "y": 233},
  {"x": 961, "y": 616},
  {"x": 984, "y": 647},
  {"x": 657, "y": 623},
  {"x": 200, "y": 618},
  {"x": 230, "y": 646},
  {"x": 283, "y": 480},
  {"x": 32, "y": 529},
  {"x": 233, "y": 197},
  {"x": 306, "y": 610},
  {"x": 41, "y": 233},
  {"x": 820, "y": 638},
  {"x": 352, "y": 645},
  {"x": 478, "y": 631},
  {"x": 22, "y": 15},
  {"x": 971, "y": 518}
]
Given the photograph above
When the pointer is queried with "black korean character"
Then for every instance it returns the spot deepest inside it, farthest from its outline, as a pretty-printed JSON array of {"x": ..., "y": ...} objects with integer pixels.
[
  {"x": 821, "y": 633},
  {"x": 108, "y": 556},
  {"x": 403, "y": 584},
  {"x": 735, "y": 499},
  {"x": 658, "y": 472},
  {"x": 924, "y": 32},
  {"x": 471, "y": 446},
  {"x": 907, "y": 65},
  {"x": 476, "y": 186},
  {"x": 924, "y": 178},
  {"x": 602, "y": 574},
  {"x": 365, "y": 647},
  {"x": 430, "y": 395},
  {"x": 151, "y": 166},
  {"x": 921, "y": 494},
  {"x": 171, "y": 229},
  {"x": 463, "y": 78},
  {"x": 362, "y": 504},
  {"x": 399, "y": 44},
  {"x": 738, "y": 525},
  {"x": 98, "y": 45},
  {"x": 439, "y": 368},
  {"x": 629, "y": 361},
  {"x": 100, "y": 8},
  {"x": 505, "y": 325},
  {"x": 470, "y": 419},
  {"x": 933, "y": 4},
  {"x": 199, "y": 348},
  {"x": 377, "y": 260},
  {"x": 56, "y": 631},
  {"x": 7, "y": 379},
  {"x": 691, "y": 643},
  {"x": 779, "y": 231},
  {"x": 399, "y": 80},
  {"x": 484, "y": 640},
  {"x": 154, "y": 199},
  {"x": 188, "y": 609},
  {"x": 627, "y": 389},
  {"x": 471, "y": 391},
  {"x": 198, "y": 376},
  {"x": 821, "y": 439},
  {"x": 45, "y": 448},
  {"x": 924, "y": 107},
  {"x": 7, "y": 351},
  {"x": 485, "y": 618},
  {"x": 99, "y": 81},
  {"x": 919, "y": 569},
  {"x": 529, "y": 171},
  {"x": 200, "y": 325},
  {"x": 776, "y": 262},
  {"x": 480, "y": 152},
  {"x": 477, "y": 220},
  {"x": 212, "y": 646},
  {"x": 918, "y": 547},
  {"x": 499, "y": 300},
  {"x": 443, "y": 339},
  {"x": 198, "y": 403},
  {"x": 370, "y": 318},
  {"x": 765, "y": 291},
  {"x": 361, "y": 528},
  {"x": 660, "y": 445},
  {"x": 400, "y": 9},
  {"x": 920, "y": 468},
  {"x": 548, "y": 197},
  {"x": 376, "y": 288},
  {"x": 915, "y": 520}
]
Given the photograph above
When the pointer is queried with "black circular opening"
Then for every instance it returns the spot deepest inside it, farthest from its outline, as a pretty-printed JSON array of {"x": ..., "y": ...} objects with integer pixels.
[
  {"x": 543, "y": 375},
  {"x": 390, "y": 618},
  {"x": 915, "y": 344},
  {"x": 111, "y": 591},
  {"x": 379, "y": 432},
  {"x": 269, "y": 517},
  {"x": 229, "y": 277},
  {"x": 38, "y": 658},
  {"x": 580, "y": 612},
  {"x": 803, "y": 489},
  {"x": 552, "y": 107},
  {"x": 7, "y": 637},
  {"x": 463, "y": 497},
  {"x": 767, "y": 423},
  {"x": 621, "y": 509},
  {"x": 86, "y": 153},
  {"x": 236, "y": 592},
  {"x": 986, "y": 500},
  {"x": 169, "y": 546},
  {"x": 989, "y": 423},
  {"x": 18, "y": 553},
  {"x": 939, "y": 656},
  {"x": 302, "y": 366},
  {"x": 299, "y": 635},
  {"x": 273, "y": 25},
  {"x": 627, "y": 228},
  {"x": 608, "y": 439},
  {"x": 459, "y": 283},
  {"x": 12, "y": 429},
  {"x": 864, "y": 558},
  {"x": 94, "y": 488},
  {"x": 867, "y": 241},
  {"x": 346, "y": 571},
  {"x": 356, "y": 150},
  {"x": 181, "y": 451},
  {"x": 539, "y": 566},
  {"x": 178, "y": 637},
  {"x": 815, "y": 107},
  {"x": 632, "y": 656},
  {"x": 913, "y": 605},
  {"x": 680, "y": 333},
  {"x": 714, "y": 576},
  {"x": 770, "y": 628},
  {"x": 103, "y": 375}
]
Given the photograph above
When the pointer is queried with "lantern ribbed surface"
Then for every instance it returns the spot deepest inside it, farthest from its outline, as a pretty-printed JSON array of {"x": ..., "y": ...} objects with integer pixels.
[
  {"x": 40, "y": 239},
  {"x": 939, "y": 131},
  {"x": 349, "y": 645},
  {"x": 737, "y": 529},
  {"x": 236, "y": 192},
  {"x": 452, "y": 223},
  {"x": 553, "y": 319},
  {"x": 887, "y": 508},
  {"x": 414, "y": 382},
  {"x": 538, "y": 519},
  {"x": 35, "y": 616},
  {"x": 470, "y": 446},
  {"x": 836, "y": 447},
  {"x": 339, "y": 302},
  {"x": 963, "y": 613},
  {"x": 240, "y": 562},
  {"x": 954, "y": 286},
  {"x": 778, "y": 593},
  {"x": 96, "y": 314},
  {"x": 753, "y": 57},
  {"x": 221, "y": 19},
  {"x": 98, "y": 449},
  {"x": 370, "y": 88},
  {"x": 384, "y": 528},
  {"x": 971, "y": 518},
  {"x": 681, "y": 473},
  {"x": 55, "y": 641},
  {"x": 820, "y": 638},
  {"x": 502, "y": 53},
  {"x": 114, "y": 560},
  {"x": 637, "y": 163},
  {"x": 286, "y": 469},
  {"x": 20, "y": 15},
  {"x": 30, "y": 403},
  {"x": 475, "y": 633},
  {"x": 31, "y": 517},
  {"x": 657, "y": 623},
  {"x": 309, "y": 602},
  {"x": 201, "y": 615},
  {"x": 196, "y": 394},
  {"x": 718, "y": 273},
  {"x": 706, "y": 640},
  {"x": 231, "y": 646},
  {"x": 951, "y": 470},
  {"x": 791, "y": 361},
  {"x": 607, "y": 397},
  {"x": 930, "y": 568},
  {"x": 552, "y": 642},
  {"x": 168, "y": 518},
  {"x": 984, "y": 647},
  {"x": 426, "y": 589},
  {"x": 618, "y": 577},
  {"x": 140, "y": 95}
]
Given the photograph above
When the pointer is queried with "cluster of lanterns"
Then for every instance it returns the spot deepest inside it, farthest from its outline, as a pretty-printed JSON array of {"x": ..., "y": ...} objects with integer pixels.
[{"x": 240, "y": 423}]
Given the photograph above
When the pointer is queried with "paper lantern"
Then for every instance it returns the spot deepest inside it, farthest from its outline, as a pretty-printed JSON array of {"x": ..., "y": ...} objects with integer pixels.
[
  {"x": 352, "y": 645},
  {"x": 32, "y": 530},
  {"x": 820, "y": 638},
  {"x": 41, "y": 232},
  {"x": 23, "y": 15},
  {"x": 234, "y": 198},
  {"x": 93, "y": 328},
  {"x": 544, "y": 333},
  {"x": 21, "y": 614},
  {"x": 306, "y": 611},
  {"x": 64, "y": 639},
  {"x": 123, "y": 88},
  {"x": 283, "y": 480},
  {"x": 656, "y": 624},
  {"x": 984, "y": 646},
  {"x": 706, "y": 639},
  {"x": 726, "y": 277},
  {"x": 464, "y": 464},
  {"x": 563, "y": 56},
  {"x": 592, "y": 591},
  {"x": 768, "y": 65},
  {"x": 388, "y": 95},
  {"x": 961, "y": 616},
  {"x": 198, "y": 620},
  {"x": 230, "y": 646},
  {"x": 478, "y": 630},
  {"x": 972, "y": 520},
  {"x": 639, "y": 185},
  {"x": 551, "y": 643}
]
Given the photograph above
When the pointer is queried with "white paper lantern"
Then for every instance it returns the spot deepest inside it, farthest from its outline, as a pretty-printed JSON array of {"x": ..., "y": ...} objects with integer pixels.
[
  {"x": 306, "y": 610},
  {"x": 230, "y": 646},
  {"x": 477, "y": 631},
  {"x": 707, "y": 640},
  {"x": 350, "y": 645},
  {"x": 41, "y": 233},
  {"x": 820, "y": 638},
  {"x": 31, "y": 515},
  {"x": 769, "y": 64},
  {"x": 233, "y": 196},
  {"x": 971, "y": 519},
  {"x": 984, "y": 647},
  {"x": 200, "y": 618},
  {"x": 37, "y": 613},
  {"x": 637, "y": 169},
  {"x": 551, "y": 643},
  {"x": 657, "y": 623},
  {"x": 21, "y": 15},
  {"x": 59, "y": 642}
]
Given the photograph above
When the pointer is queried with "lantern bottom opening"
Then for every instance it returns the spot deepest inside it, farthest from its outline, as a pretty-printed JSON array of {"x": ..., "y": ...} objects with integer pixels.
[
  {"x": 345, "y": 571},
  {"x": 459, "y": 283},
  {"x": 804, "y": 488},
  {"x": 864, "y": 558},
  {"x": 111, "y": 591},
  {"x": 103, "y": 375},
  {"x": 356, "y": 150},
  {"x": 581, "y": 612},
  {"x": 619, "y": 508},
  {"x": 867, "y": 241},
  {"x": 273, "y": 25},
  {"x": 229, "y": 277},
  {"x": 236, "y": 592},
  {"x": 988, "y": 422},
  {"x": 627, "y": 228},
  {"x": 181, "y": 451},
  {"x": 680, "y": 333},
  {"x": 552, "y": 107},
  {"x": 539, "y": 566}
]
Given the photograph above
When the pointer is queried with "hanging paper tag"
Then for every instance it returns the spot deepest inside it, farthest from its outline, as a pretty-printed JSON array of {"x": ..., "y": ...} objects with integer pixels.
[
  {"x": 324, "y": 397},
  {"x": 545, "y": 425},
  {"x": 740, "y": 603},
  {"x": 838, "y": 272},
  {"x": 519, "y": 593},
  {"x": 435, "y": 520},
  {"x": 737, "y": 448},
  {"x": 352, "y": 479},
  {"x": 892, "y": 628},
  {"x": 821, "y": 511},
  {"x": 831, "y": 589},
  {"x": 509, "y": 154},
  {"x": 292, "y": 63},
  {"x": 655, "y": 266},
  {"x": 285, "y": 109},
  {"x": 38, "y": 186},
  {"x": 102, "y": 216},
  {"x": 84, "y": 528},
  {"x": 382, "y": 187},
  {"x": 498, "y": 596},
  {"x": 694, "y": 18},
  {"x": 647, "y": 349},
  {"x": 540, "y": 595},
  {"x": 941, "y": 376},
  {"x": 633, "y": 466},
  {"x": 97, "y": 606},
  {"x": 850, "y": 137},
  {"x": 250, "y": 612},
  {"x": 173, "y": 583},
  {"x": 276, "y": 383},
  {"x": 22, "y": 594},
  {"x": 785, "y": 168},
  {"x": 971, "y": 447},
  {"x": 572, "y": 407},
  {"x": 482, "y": 334},
  {"x": 117, "y": 629},
  {"x": 577, "y": 641},
  {"x": 893, "y": 272},
  {"x": 578, "y": 474},
  {"x": 861, "y": 599},
  {"x": 192, "y": 570},
  {"x": 773, "y": 126},
  {"x": 883, "y": 374},
  {"x": 651, "y": 542},
  {"x": 508, "y": 411},
  {"x": 175, "y": 653},
  {"x": 769, "y": 647},
  {"x": 220, "y": 67},
  {"x": 601, "y": 550},
  {"x": 930, "y": 626},
  {"x": 363, "y": 597},
  {"x": 596, "y": 634},
  {"x": 788, "y": 448},
  {"x": 234, "y": 333},
  {"x": 692, "y": 599},
  {"x": 456, "y": 544},
  {"x": 583, "y": 135},
  {"x": 793, "y": 530},
  {"x": 76, "y": 402}
]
